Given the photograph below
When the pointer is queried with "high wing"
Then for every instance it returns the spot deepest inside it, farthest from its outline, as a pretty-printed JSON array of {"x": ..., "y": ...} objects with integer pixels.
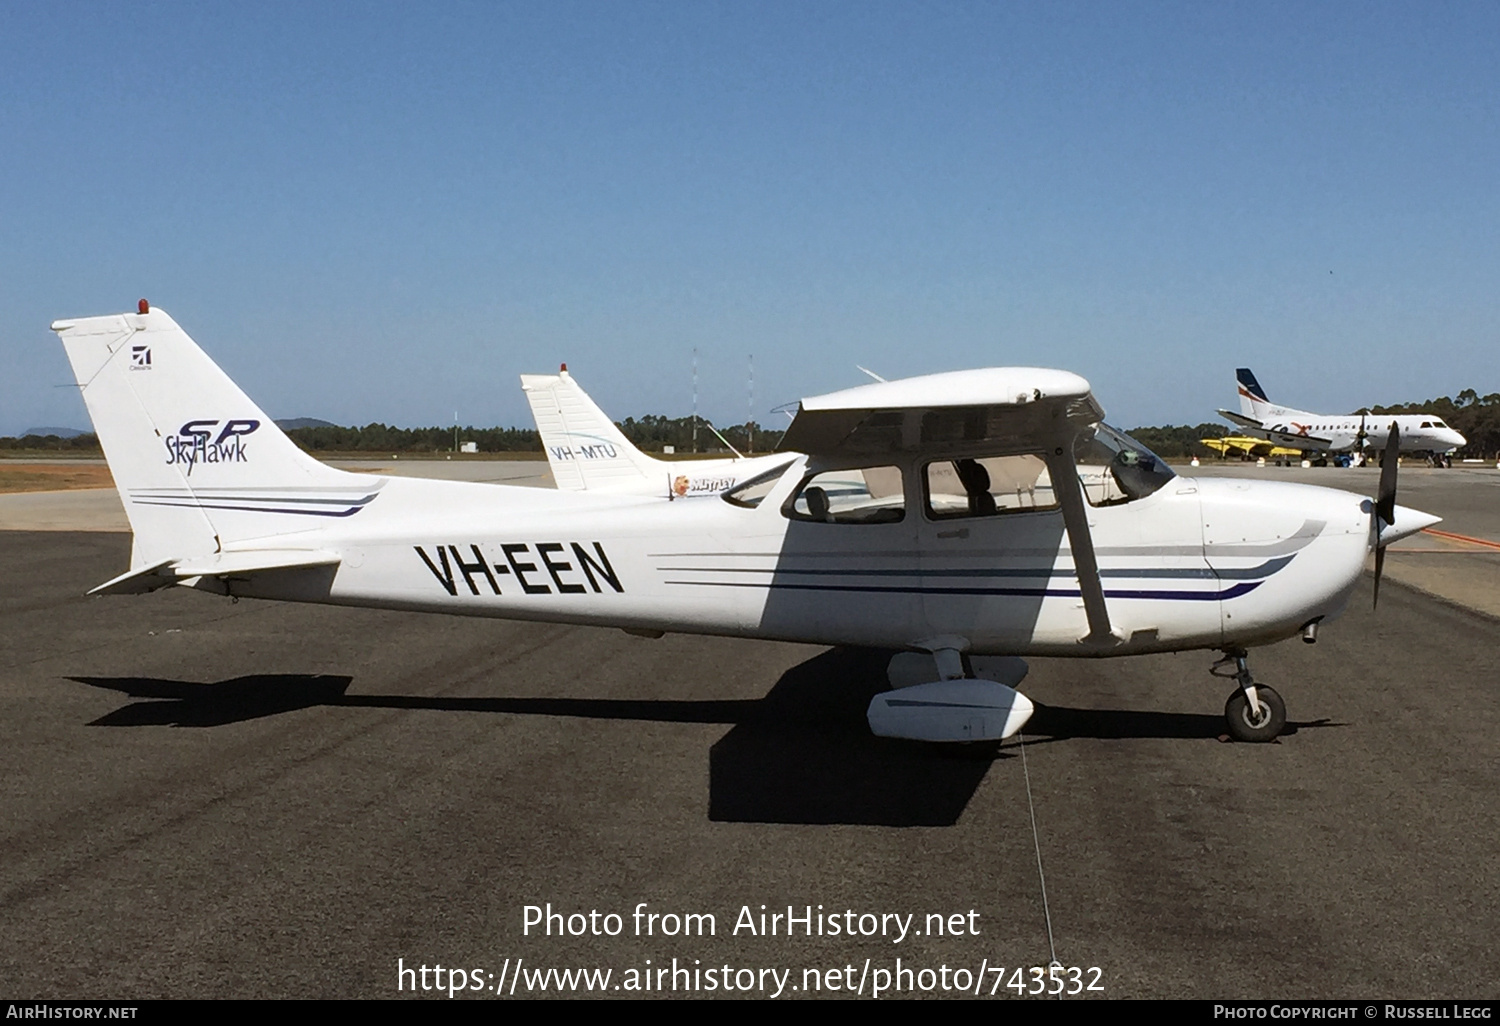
[
  {"x": 998, "y": 409},
  {"x": 1031, "y": 408}
]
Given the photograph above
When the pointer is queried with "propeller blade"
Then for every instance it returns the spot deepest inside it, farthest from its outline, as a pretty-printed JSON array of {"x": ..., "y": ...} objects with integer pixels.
[
  {"x": 1385, "y": 502},
  {"x": 1385, "y": 505}
]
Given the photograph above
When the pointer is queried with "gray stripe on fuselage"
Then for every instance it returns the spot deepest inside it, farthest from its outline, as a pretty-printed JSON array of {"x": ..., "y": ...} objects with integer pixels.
[{"x": 1303, "y": 537}]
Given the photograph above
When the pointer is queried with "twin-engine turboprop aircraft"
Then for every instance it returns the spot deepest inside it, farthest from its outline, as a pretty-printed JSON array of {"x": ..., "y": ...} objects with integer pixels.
[
  {"x": 1323, "y": 432},
  {"x": 586, "y": 451},
  {"x": 963, "y": 519}
]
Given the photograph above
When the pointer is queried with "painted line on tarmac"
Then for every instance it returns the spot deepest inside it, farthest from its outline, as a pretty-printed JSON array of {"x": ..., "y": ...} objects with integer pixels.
[{"x": 1461, "y": 537}]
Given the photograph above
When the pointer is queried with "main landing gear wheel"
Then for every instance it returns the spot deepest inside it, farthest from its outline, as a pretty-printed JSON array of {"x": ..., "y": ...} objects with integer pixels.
[{"x": 1262, "y": 724}]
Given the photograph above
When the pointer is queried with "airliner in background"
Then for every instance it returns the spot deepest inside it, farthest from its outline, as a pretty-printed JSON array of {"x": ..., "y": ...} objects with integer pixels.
[{"x": 1353, "y": 432}]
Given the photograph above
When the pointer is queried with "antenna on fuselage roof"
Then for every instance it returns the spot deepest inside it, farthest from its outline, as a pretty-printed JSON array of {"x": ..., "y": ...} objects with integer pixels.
[{"x": 709, "y": 424}]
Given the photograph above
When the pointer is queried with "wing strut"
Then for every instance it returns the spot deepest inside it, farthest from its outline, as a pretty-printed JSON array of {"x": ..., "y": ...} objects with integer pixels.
[{"x": 1065, "y": 485}]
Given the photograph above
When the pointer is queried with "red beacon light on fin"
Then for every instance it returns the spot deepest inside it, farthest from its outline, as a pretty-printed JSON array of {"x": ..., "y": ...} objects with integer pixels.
[
  {"x": 143, "y": 306},
  {"x": 563, "y": 369}
]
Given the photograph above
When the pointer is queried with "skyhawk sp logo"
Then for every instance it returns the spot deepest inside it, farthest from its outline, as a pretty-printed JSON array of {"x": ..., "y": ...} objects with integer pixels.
[{"x": 191, "y": 444}]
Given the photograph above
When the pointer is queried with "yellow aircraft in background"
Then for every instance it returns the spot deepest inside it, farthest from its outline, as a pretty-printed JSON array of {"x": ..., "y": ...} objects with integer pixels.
[{"x": 1250, "y": 448}]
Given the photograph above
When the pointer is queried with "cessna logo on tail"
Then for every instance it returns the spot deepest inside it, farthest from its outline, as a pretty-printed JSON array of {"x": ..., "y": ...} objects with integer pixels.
[{"x": 191, "y": 445}]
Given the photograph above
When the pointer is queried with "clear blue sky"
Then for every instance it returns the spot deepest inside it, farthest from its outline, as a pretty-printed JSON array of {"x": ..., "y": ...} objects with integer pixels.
[{"x": 370, "y": 211}]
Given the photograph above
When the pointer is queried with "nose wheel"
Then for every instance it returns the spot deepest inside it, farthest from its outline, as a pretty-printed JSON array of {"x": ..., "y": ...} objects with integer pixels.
[{"x": 1254, "y": 712}]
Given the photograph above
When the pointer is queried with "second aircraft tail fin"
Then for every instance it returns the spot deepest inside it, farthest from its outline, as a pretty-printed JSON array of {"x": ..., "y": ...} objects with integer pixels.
[{"x": 585, "y": 449}]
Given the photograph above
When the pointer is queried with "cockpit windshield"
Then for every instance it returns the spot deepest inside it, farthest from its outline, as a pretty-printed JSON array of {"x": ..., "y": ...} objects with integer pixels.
[
  {"x": 750, "y": 493},
  {"x": 1115, "y": 468}
]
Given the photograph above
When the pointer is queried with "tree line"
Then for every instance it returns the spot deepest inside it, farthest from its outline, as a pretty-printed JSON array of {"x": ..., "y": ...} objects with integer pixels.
[
  {"x": 1474, "y": 416},
  {"x": 650, "y": 433}
]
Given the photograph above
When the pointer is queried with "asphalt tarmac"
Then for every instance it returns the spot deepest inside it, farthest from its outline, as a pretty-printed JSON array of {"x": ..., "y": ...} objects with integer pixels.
[{"x": 209, "y": 799}]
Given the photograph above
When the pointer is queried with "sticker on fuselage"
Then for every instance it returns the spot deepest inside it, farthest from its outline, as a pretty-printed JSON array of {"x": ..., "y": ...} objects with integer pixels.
[{"x": 684, "y": 486}]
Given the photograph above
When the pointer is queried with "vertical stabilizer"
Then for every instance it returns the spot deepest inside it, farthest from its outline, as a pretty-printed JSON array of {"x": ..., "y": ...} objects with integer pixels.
[
  {"x": 585, "y": 450},
  {"x": 1252, "y": 396},
  {"x": 197, "y": 464},
  {"x": 1253, "y": 401}
]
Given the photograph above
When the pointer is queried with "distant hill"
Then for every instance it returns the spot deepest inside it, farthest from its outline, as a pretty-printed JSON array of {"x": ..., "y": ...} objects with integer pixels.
[
  {"x": 293, "y": 423},
  {"x": 59, "y": 432}
]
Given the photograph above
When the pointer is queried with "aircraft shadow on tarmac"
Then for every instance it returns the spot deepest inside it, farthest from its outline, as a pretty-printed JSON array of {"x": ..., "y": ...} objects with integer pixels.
[{"x": 802, "y": 754}]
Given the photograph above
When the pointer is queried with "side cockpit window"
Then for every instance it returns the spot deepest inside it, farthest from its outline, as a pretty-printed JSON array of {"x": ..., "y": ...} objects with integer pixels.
[
  {"x": 864, "y": 495},
  {"x": 1114, "y": 468},
  {"x": 982, "y": 487}
]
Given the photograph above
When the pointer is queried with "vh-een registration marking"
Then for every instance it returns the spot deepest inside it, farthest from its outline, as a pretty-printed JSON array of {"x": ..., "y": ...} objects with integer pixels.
[{"x": 469, "y": 563}]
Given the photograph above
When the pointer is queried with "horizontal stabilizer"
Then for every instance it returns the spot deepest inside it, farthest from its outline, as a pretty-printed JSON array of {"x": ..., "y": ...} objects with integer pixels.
[
  {"x": 239, "y": 564},
  {"x": 139, "y": 582},
  {"x": 1239, "y": 418},
  {"x": 224, "y": 564}
]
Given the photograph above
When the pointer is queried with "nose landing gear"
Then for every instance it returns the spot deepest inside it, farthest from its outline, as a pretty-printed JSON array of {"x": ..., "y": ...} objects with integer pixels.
[{"x": 1255, "y": 712}]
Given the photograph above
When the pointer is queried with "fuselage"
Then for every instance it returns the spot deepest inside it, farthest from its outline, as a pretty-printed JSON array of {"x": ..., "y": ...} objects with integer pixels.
[
  {"x": 1199, "y": 563},
  {"x": 1419, "y": 432}
]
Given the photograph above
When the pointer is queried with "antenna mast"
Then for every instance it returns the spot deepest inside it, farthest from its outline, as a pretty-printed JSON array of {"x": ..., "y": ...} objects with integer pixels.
[
  {"x": 750, "y": 420},
  {"x": 695, "y": 398}
]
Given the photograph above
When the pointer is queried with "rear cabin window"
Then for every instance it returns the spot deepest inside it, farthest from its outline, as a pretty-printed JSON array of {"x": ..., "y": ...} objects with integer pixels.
[
  {"x": 987, "y": 486},
  {"x": 865, "y": 495}
]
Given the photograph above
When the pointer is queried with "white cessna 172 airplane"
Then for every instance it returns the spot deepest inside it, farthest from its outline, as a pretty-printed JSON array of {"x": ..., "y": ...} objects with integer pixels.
[
  {"x": 1297, "y": 429},
  {"x": 586, "y": 451},
  {"x": 999, "y": 517}
]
